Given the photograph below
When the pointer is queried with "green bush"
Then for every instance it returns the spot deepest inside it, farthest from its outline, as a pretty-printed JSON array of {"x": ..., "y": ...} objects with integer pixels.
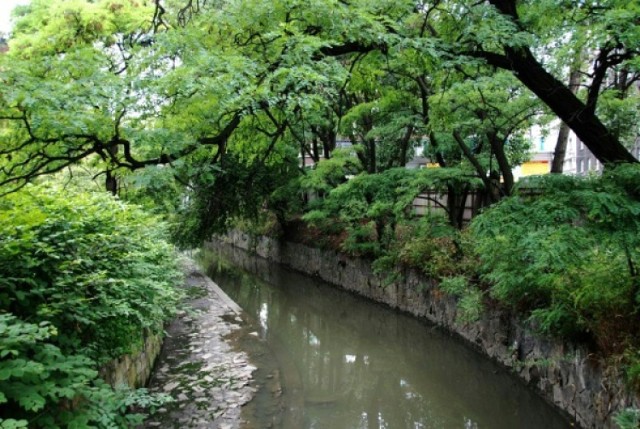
[
  {"x": 470, "y": 299},
  {"x": 40, "y": 387},
  {"x": 368, "y": 207},
  {"x": 431, "y": 245},
  {"x": 83, "y": 277},
  {"x": 628, "y": 418},
  {"x": 375, "y": 211},
  {"x": 568, "y": 255},
  {"x": 328, "y": 174}
]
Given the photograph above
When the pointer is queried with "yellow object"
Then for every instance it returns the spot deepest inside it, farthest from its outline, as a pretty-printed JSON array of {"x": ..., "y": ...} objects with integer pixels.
[{"x": 531, "y": 168}]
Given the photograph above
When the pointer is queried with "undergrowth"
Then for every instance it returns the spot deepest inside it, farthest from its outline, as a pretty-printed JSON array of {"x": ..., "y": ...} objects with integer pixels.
[{"x": 83, "y": 277}]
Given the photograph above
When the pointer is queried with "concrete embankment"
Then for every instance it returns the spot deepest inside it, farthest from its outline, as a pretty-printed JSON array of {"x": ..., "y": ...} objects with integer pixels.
[{"x": 567, "y": 375}]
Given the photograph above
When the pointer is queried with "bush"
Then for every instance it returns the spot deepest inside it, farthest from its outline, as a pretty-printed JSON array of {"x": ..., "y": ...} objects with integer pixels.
[
  {"x": 368, "y": 207},
  {"x": 328, "y": 174},
  {"x": 83, "y": 277},
  {"x": 470, "y": 299},
  {"x": 375, "y": 211},
  {"x": 628, "y": 418},
  {"x": 569, "y": 256},
  {"x": 40, "y": 387},
  {"x": 431, "y": 245}
]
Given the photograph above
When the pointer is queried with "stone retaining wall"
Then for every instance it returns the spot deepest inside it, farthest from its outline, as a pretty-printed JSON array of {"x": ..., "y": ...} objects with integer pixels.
[
  {"x": 133, "y": 370},
  {"x": 563, "y": 373}
]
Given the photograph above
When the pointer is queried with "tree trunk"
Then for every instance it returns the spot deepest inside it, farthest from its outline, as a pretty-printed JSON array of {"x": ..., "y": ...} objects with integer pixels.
[
  {"x": 315, "y": 153},
  {"x": 563, "y": 134},
  {"x": 328, "y": 138},
  {"x": 493, "y": 194},
  {"x": 557, "y": 165},
  {"x": 111, "y": 183},
  {"x": 404, "y": 146},
  {"x": 582, "y": 120},
  {"x": 587, "y": 126},
  {"x": 497, "y": 146},
  {"x": 370, "y": 145}
]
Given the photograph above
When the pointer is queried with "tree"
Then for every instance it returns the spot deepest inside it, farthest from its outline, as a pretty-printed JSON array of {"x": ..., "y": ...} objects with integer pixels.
[
  {"x": 70, "y": 76},
  {"x": 612, "y": 26},
  {"x": 382, "y": 111},
  {"x": 563, "y": 133},
  {"x": 168, "y": 90},
  {"x": 123, "y": 85},
  {"x": 487, "y": 117}
]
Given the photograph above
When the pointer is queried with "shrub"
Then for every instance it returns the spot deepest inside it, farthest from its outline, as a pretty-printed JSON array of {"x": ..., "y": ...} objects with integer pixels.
[
  {"x": 368, "y": 207},
  {"x": 328, "y": 174},
  {"x": 375, "y": 211},
  {"x": 40, "y": 387},
  {"x": 470, "y": 299},
  {"x": 83, "y": 277},
  {"x": 628, "y": 418},
  {"x": 568, "y": 257},
  {"x": 431, "y": 245}
]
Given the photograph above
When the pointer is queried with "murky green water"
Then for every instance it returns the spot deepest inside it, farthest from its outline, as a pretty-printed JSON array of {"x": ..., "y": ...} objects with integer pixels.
[{"x": 348, "y": 363}]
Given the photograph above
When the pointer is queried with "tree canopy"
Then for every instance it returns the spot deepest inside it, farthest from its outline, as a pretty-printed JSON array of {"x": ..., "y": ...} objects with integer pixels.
[{"x": 123, "y": 85}]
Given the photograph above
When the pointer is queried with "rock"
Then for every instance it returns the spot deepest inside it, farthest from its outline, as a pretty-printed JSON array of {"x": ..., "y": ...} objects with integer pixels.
[{"x": 169, "y": 387}]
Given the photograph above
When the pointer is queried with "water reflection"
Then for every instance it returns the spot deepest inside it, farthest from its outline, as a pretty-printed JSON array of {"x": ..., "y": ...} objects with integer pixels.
[{"x": 355, "y": 364}]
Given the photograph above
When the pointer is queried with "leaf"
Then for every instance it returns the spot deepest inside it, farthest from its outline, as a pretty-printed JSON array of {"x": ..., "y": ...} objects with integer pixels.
[{"x": 31, "y": 400}]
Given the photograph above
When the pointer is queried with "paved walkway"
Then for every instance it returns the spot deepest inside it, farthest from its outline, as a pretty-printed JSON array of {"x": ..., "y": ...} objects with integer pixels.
[{"x": 209, "y": 378}]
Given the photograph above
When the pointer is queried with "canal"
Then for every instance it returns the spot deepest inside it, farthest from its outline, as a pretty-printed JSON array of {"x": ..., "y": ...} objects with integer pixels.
[{"x": 348, "y": 363}]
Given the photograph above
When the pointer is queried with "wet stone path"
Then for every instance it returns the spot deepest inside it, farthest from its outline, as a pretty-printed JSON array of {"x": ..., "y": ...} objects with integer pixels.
[{"x": 209, "y": 379}]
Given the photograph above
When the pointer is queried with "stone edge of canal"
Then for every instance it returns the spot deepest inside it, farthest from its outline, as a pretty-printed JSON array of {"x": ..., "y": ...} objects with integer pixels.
[{"x": 207, "y": 363}]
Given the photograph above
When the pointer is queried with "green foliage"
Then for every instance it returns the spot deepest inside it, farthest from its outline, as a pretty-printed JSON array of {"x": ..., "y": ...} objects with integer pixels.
[
  {"x": 153, "y": 188},
  {"x": 470, "y": 299},
  {"x": 431, "y": 245},
  {"x": 569, "y": 255},
  {"x": 329, "y": 173},
  {"x": 84, "y": 276},
  {"x": 95, "y": 268},
  {"x": 455, "y": 286},
  {"x": 493, "y": 111},
  {"x": 369, "y": 205},
  {"x": 375, "y": 211},
  {"x": 631, "y": 365},
  {"x": 470, "y": 306},
  {"x": 213, "y": 95},
  {"x": 34, "y": 373},
  {"x": 43, "y": 388},
  {"x": 628, "y": 418},
  {"x": 233, "y": 190}
]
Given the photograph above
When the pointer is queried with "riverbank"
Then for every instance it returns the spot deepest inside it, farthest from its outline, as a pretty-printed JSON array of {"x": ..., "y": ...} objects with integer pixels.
[
  {"x": 200, "y": 364},
  {"x": 347, "y": 362},
  {"x": 567, "y": 375}
]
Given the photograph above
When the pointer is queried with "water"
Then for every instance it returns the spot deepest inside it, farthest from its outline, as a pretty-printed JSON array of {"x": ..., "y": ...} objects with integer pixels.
[{"x": 348, "y": 363}]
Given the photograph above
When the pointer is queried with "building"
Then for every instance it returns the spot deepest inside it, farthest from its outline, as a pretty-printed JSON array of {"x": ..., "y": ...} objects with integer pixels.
[{"x": 578, "y": 158}]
